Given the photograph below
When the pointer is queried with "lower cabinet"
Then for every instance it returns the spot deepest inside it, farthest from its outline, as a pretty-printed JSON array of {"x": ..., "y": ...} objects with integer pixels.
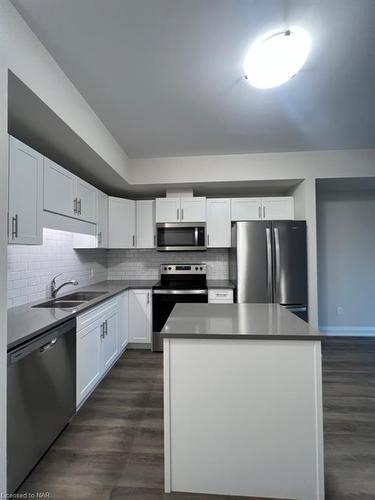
[
  {"x": 140, "y": 316},
  {"x": 97, "y": 345},
  {"x": 104, "y": 331},
  {"x": 220, "y": 296}
]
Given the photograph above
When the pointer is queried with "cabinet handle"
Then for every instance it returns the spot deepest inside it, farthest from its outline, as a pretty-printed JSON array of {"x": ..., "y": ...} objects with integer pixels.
[
  {"x": 154, "y": 240},
  {"x": 75, "y": 205},
  {"x": 133, "y": 240},
  {"x": 208, "y": 240},
  {"x": 100, "y": 237},
  {"x": 148, "y": 297},
  {"x": 264, "y": 212},
  {"x": 182, "y": 214},
  {"x": 178, "y": 214},
  {"x": 79, "y": 206},
  {"x": 106, "y": 327},
  {"x": 260, "y": 212},
  {"x": 102, "y": 332},
  {"x": 15, "y": 226}
]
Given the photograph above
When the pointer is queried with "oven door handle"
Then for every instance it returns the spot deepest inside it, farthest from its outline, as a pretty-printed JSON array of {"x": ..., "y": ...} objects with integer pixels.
[{"x": 180, "y": 292}]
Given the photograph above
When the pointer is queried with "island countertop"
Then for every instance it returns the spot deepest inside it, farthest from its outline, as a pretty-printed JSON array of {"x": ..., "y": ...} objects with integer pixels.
[{"x": 242, "y": 321}]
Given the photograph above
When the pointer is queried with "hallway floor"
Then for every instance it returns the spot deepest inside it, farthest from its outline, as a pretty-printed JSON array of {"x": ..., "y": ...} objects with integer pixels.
[{"x": 113, "y": 448}]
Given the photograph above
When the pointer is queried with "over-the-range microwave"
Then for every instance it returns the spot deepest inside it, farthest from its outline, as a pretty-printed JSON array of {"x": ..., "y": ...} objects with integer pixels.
[{"x": 181, "y": 236}]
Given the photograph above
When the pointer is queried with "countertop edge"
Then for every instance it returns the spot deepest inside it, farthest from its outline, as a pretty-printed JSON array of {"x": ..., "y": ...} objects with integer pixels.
[{"x": 242, "y": 336}]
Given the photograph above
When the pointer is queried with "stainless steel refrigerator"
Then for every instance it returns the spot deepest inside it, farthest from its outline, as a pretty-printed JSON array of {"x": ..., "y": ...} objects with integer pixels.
[{"x": 268, "y": 263}]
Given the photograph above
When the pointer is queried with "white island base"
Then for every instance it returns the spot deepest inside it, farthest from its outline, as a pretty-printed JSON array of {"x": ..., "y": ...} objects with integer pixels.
[{"x": 244, "y": 417}]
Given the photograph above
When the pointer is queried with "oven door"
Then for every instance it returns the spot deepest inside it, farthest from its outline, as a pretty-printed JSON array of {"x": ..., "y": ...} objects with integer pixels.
[
  {"x": 181, "y": 236},
  {"x": 163, "y": 301}
]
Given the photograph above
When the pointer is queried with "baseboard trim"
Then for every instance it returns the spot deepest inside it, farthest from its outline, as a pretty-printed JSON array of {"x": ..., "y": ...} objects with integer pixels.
[{"x": 348, "y": 331}]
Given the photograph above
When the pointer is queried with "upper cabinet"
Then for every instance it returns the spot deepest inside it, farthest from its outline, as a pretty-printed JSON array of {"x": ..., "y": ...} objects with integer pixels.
[
  {"x": 272, "y": 208},
  {"x": 246, "y": 208},
  {"x": 167, "y": 209},
  {"x": 86, "y": 201},
  {"x": 193, "y": 209},
  {"x": 145, "y": 224},
  {"x": 25, "y": 194},
  {"x": 121, "y": 226},
  {"x": 218, "y": 223},
  {"x": 278, "y": 207},
  {"x": 102, "y": 220},
  {"x": 59, "y": 189},
  {"x": 186, "y": 209},
  {"x": 67, "y": 194}
]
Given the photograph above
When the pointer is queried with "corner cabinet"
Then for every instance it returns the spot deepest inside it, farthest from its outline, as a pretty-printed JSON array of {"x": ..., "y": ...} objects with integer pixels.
[
  {"x": 25, "y": 194},
  {"x": 218, "y": 223},
  {"x": 145, "y": 224},
  {"x": 140, "y": 316},
  {"x": 102, "y": 220},
  {"x": 121, "y": 226}
]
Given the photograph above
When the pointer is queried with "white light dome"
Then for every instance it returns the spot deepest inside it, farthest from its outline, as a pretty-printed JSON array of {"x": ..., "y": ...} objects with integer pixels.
[{"x": 276, "y": 58}]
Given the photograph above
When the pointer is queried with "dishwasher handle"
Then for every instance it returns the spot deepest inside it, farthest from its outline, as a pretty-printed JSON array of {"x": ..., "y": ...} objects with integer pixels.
[{"x": 43, "y": 343}]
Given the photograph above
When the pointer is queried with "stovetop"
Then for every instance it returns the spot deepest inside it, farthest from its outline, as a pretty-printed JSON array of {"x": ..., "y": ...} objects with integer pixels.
[{"x": 182, "y": 277}]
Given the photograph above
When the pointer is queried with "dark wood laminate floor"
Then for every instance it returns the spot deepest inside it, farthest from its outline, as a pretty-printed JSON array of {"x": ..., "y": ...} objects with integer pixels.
[{"x": 113, "y": 448}]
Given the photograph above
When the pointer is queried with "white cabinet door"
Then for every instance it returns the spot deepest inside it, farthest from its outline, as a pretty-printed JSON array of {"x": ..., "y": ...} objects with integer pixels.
[
  {"x": 88, "y": 359},
  {"x": 246, "y": 208},
  {"x": 218, "y": 223},
  {"x": 25, "y": 194},
  {"x": 193, "y": 209},
  {"x": 102, "y": 220},
  {"x": 167, "y": 209},
  {"x": 86, "y": 201},
  {"x": 140, "y": 316},
  {"x": 278, "y": 207},
  {"x": 146, "y": 230},
  {"x": 121, "y": 223},
  {"x": 110, "y": 332},
  {"x": 124, "y": 320},
  {"x": 59, "y": 189}
]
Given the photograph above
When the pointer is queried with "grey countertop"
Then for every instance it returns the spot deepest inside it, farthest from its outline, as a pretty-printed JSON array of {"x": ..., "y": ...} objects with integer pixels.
[
  {"x": 236, "y": 321},
  {"x": 26, "y": 322}
]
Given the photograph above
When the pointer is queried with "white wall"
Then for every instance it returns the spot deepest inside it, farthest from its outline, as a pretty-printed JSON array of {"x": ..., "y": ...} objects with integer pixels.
[
  {"x": 145, "y": 264},
  {"x": 346, "y": 262},
  {"x": 31, "y": 268}
]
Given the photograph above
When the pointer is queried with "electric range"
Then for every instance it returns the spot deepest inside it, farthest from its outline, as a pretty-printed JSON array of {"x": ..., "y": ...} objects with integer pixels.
[{"x": 178, "y": 283}]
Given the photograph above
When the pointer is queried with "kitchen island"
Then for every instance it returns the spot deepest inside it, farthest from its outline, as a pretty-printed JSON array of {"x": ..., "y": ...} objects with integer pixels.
[{"x": 242, "y": 402}]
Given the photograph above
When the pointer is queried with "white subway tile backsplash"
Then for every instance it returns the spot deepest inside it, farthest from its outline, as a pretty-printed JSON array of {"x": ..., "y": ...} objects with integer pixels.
[
  {"x": 31, "y": 268},
  {"x": 145, "y": 264}
]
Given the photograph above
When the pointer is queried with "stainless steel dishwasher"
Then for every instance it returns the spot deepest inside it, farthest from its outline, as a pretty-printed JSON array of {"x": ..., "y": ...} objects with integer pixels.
[{"x": 41, "y": 397}]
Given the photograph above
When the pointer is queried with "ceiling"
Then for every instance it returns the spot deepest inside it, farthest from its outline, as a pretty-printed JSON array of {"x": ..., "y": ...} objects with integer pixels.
[{"x": 165, "y": 76}]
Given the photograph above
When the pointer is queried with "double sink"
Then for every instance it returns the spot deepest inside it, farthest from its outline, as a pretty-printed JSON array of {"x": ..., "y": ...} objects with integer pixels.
[{"x": 71, "y": 300}]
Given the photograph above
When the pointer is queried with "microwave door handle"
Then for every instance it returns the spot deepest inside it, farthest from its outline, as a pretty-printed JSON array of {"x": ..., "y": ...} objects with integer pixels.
[{"x": 196, "y": 236}]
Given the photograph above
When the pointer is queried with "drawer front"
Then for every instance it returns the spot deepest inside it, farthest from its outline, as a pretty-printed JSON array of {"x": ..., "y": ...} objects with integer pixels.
[
  {"x": 222, "y": 295},
  {"x": 95, "y": 313}
]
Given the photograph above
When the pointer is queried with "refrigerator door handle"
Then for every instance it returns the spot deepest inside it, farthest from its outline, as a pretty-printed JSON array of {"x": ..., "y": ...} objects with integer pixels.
[
  {"x": 269, "y": 262},
  {"x": 277, "y": 262}
]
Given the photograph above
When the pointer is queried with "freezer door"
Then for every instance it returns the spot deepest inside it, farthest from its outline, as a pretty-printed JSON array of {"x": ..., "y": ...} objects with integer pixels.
[
  {"x": 253, "y": 248},
  {"x": 289, "y": 262}
]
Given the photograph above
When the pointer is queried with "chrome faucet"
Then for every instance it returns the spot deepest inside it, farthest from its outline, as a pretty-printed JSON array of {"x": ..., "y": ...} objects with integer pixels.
[{"x": 55, "y": 289}]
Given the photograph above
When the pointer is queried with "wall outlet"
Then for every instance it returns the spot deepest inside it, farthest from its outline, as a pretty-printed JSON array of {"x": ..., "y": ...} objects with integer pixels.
[{"x": 339, "y": 310}]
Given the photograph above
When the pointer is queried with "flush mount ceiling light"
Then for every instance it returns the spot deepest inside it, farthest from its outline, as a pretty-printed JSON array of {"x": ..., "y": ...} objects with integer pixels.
[{"x": 276, "y": 58}]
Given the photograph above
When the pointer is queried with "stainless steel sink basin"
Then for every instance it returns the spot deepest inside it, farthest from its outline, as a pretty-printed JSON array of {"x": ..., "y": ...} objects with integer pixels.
[
  {"x": 61, "y": 303},
  {"x": 82, "y": 296},
  {"x": 72, "y": 300}
]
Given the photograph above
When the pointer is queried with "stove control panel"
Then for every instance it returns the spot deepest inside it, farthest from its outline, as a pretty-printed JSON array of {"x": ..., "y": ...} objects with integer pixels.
[{"x": 183, "y": 269}]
